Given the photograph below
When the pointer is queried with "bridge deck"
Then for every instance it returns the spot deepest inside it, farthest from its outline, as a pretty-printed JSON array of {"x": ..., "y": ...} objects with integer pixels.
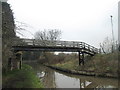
[
  {"x": 50, "y": 48},
  {"x": 66, "y": 46}
]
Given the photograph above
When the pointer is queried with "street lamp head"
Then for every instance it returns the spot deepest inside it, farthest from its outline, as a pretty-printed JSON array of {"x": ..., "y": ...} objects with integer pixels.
[{"x": 111, "y": 16}]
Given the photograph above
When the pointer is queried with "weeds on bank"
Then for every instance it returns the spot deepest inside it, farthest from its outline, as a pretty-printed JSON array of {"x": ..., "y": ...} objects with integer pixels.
[
  {"x": 100, "y": 63},
  {"x": 24, "y": 78}
]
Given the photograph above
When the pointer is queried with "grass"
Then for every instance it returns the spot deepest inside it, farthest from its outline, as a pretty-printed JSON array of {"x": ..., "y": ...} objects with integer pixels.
[
  {"x": 100, "y": 63},
  {"x": 72, "y": 64},
  {"x": 24, "y": 78}
]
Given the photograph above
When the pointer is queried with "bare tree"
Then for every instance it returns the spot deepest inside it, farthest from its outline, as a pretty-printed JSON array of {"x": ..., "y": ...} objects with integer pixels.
[
  {"x": 22, "y": 28},
  {"x": 48, "y": 37},
  {"x": 108, "y": 46}
]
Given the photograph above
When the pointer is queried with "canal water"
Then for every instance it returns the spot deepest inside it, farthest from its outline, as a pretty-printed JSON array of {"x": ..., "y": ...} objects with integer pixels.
[{"x": 56, "y": 79}]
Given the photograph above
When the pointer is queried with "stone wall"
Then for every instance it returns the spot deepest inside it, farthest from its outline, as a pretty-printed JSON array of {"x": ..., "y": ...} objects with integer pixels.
[{"x": 8, "y": 32}]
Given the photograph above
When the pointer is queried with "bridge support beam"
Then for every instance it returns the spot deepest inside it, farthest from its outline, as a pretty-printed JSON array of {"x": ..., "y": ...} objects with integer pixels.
[
  {"x": 81, "y": 58},
  {"x": 19, "y": 59}
]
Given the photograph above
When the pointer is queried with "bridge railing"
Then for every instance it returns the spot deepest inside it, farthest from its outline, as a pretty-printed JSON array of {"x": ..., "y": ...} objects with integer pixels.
[{"x": 82, "y": 45}]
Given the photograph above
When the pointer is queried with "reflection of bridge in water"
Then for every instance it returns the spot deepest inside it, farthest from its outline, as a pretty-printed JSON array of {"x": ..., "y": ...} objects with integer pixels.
[
  {"x": 82, "y": 81},
  {"x": 79, "y": 81},
  {"x": 65, "y": 46}
]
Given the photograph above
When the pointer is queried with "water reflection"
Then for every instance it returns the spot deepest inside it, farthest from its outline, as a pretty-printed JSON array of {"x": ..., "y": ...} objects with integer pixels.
[
  {"x": 56, "y": 79},
  {"x": 66, "y": 81}
]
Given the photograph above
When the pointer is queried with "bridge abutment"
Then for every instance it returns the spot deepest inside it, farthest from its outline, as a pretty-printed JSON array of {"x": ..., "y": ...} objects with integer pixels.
[{"x": 16, "y": 61}]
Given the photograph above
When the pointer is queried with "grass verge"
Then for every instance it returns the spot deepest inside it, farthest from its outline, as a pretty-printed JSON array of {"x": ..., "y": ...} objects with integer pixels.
[
  {"x": 101, "y": 64},
  {"x": 24, "y": 78}
]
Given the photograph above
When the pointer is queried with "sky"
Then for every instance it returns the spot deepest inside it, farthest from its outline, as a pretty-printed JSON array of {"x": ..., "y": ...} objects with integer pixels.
[{"x": 79, "y": 20}]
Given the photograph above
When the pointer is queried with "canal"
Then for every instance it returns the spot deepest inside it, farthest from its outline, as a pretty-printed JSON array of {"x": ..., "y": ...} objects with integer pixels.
[{"x": 56, "y": 79}]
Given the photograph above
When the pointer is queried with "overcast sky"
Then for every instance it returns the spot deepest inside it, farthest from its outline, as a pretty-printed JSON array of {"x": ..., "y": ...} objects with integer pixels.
[{"x": 79, "y": 20}]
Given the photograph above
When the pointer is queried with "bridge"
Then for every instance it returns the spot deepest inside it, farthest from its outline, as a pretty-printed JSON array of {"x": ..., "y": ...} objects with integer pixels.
[{"x": 64, "y": 46}]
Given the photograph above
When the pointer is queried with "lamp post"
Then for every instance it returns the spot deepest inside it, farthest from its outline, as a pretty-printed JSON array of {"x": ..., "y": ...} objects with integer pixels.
[{"x": 112, "y": 33}]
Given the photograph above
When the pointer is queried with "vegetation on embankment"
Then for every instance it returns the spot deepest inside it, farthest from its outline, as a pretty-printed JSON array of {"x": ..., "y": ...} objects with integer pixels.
[
  {"x": 24, "y": 78},
  {"x": 8, "y": 33},
  {"x": 105, "y": 65}
]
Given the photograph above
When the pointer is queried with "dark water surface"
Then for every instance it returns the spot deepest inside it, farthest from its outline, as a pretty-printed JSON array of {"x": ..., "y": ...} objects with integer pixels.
[{"x": 56, "y": 79}]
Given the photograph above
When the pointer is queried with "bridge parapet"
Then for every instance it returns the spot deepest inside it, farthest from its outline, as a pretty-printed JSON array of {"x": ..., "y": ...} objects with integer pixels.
[{"x": 74, "y": 44}]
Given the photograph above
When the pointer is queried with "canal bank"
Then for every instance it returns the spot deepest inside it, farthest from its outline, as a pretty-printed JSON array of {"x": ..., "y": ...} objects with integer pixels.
[
  {"x": 52, "y": 78},
  {"x": 86, "y": 73},
  {"x": 100, "y": 65},
  {"x": 24, "y": 78}
]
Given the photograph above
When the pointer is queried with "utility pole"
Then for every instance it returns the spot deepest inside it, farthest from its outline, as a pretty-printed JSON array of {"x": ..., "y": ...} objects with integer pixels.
[{"x": 112, "y": 33}]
